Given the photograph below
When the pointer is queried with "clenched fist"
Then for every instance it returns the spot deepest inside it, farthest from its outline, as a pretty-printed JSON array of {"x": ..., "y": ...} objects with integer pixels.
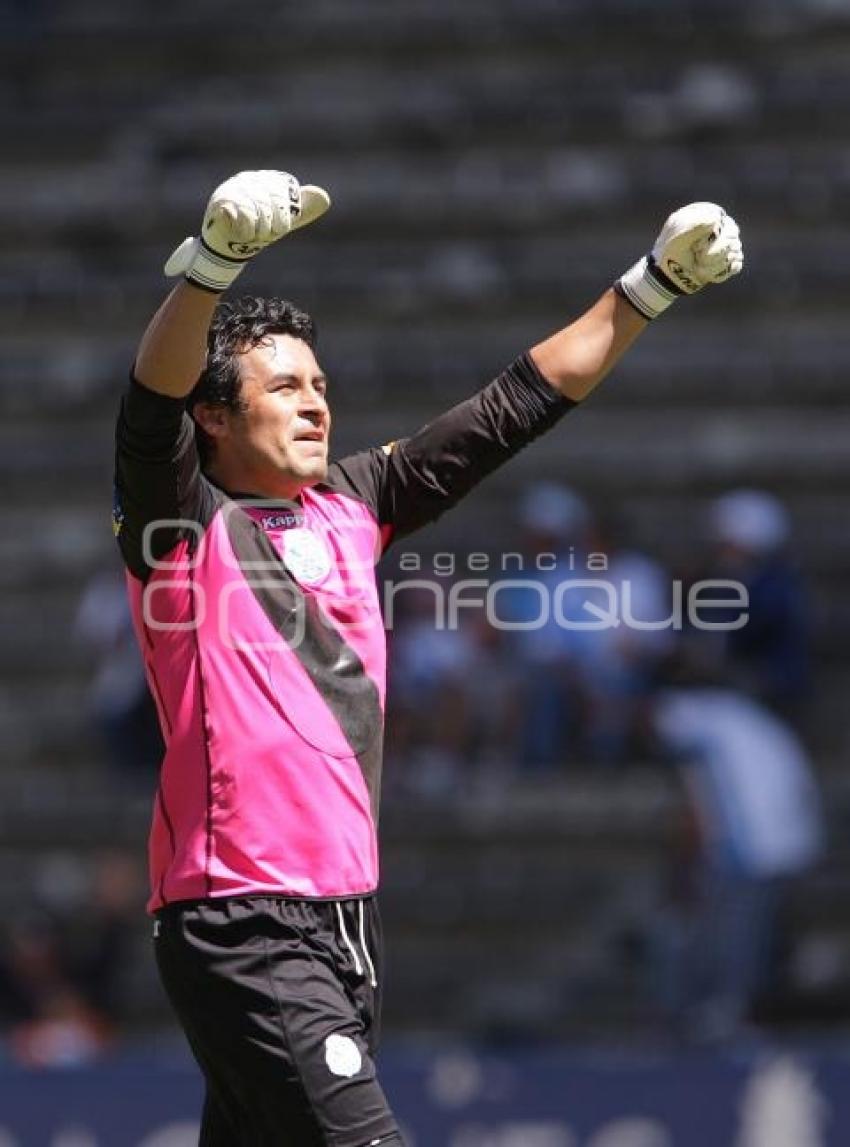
[
  {"x": 699, "y": 244},
  {"x": 245, "y": 214}
]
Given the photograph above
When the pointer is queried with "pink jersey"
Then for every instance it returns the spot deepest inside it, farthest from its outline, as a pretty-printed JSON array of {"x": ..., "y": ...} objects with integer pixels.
[{"x": 264, "y": 645}]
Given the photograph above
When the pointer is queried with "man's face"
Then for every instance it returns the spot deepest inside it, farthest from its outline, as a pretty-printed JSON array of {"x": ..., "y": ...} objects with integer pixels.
[{"x": 279, "y": 442}]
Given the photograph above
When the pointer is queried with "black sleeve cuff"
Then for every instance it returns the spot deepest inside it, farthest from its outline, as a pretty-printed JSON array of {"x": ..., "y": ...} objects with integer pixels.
[{"x": 546, "y": 397}]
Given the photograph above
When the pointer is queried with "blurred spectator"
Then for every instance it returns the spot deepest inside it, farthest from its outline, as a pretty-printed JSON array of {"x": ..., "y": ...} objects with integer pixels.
[
  {"x": 616, "y": 663},
  {"x": 768, "y": 658},
  {"x": 588, "y": 666},
  {"x": 99, "y": 933},
  {"x": 30, "y": 965},
  {"x": 493, "y": 687},
  {"x": 553, "y": 521},
  {"x": 121, "y": 705},
  {"x": 65, "y": 1033},
  {"x": 63, "y": 971},
  {"x": 756, "y": 821},
  {"x": 427, "y": 712},
  {"x": 47, "y": 1020},
  {"x": 454, "y": 698}
]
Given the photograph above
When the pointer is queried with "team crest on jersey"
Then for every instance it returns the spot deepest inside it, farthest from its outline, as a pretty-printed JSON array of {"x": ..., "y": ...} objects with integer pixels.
[{"x": 306, "y": 556}]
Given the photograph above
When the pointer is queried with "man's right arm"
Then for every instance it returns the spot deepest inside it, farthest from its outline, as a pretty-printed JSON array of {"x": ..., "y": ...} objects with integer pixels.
[
  {"x": 157, "y": 470},
  {"x": 173, "y": 350}
]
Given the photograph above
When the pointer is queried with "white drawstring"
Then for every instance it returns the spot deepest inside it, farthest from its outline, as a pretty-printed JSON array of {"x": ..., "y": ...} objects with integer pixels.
[
  {"x": 373, "y": 979},
  {"x": 358, "y": 967}
]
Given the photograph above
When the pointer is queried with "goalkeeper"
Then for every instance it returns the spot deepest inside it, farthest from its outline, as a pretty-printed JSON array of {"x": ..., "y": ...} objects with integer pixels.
[{"x": 250, "y": 567}]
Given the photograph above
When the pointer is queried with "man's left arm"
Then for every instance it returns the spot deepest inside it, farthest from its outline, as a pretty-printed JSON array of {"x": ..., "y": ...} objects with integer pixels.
[
  {"x": 419, "y": 478},
  {"x": 576, "y": 359}
]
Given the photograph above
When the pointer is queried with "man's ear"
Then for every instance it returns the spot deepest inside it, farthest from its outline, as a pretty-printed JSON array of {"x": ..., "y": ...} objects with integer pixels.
[{"x": 212, "y": 418}]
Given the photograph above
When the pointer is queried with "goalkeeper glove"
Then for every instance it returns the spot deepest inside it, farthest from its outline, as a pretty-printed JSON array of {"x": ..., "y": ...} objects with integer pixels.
[
  {"x": 245, "y": 214},
  {"x": 699, "y": 244}
]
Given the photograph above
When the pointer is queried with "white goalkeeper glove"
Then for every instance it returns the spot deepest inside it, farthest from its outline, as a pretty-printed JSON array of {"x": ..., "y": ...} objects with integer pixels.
[
  {"x": 245, "y": 214},
  {"x": 699, "y": 244}
]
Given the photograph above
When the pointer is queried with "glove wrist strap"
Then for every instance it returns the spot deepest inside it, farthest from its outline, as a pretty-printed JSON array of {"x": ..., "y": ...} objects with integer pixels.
[
  {"x": 647, "y": 288},
  {"x": 203, "y": 267},
  {"x": 212, "y": 271}
]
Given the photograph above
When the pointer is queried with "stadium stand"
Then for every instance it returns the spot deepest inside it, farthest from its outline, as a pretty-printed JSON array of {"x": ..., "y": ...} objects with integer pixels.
[{"x": 493, "y": 166}]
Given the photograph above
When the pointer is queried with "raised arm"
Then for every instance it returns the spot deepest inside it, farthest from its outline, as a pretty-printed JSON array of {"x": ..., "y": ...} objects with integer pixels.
[
  {"x": 421, "y": 477},
  {"x": 245, "y": 214},
  {"x": 157, "y": 467}
]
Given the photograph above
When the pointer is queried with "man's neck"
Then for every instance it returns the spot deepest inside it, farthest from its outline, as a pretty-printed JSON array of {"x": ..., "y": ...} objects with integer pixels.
[{"x": 243, "y": 488}]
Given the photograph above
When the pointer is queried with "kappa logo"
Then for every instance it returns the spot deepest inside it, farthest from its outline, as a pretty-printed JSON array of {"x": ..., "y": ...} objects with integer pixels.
[
  {"x": 342, "y": 1055},
  {"x": 285, "y": 520}
]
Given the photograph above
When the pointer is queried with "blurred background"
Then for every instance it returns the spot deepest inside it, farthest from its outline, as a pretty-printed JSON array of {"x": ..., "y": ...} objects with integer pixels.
[{"x": 616, "y": 863}]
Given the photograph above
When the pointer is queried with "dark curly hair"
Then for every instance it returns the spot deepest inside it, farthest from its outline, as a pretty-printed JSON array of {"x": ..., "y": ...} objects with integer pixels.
[{"x": 236, "y": 327}]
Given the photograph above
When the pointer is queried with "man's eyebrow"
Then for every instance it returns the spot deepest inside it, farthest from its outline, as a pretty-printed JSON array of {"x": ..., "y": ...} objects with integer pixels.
[{"x": 286, "y": 376}]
